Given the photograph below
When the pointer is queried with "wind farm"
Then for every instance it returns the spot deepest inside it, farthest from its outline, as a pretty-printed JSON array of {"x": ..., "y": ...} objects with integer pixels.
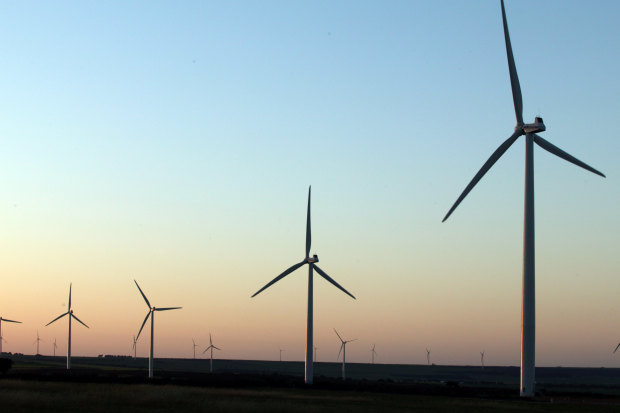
[{"x": 199, "y": 147}]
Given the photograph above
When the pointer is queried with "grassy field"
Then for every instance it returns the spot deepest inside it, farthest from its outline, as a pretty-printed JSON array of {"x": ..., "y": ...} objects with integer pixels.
[{"x": 31, "y": 396}]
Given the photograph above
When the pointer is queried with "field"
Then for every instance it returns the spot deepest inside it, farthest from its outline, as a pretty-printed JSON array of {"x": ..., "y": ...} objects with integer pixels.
[{"x": 120, "y": 385}]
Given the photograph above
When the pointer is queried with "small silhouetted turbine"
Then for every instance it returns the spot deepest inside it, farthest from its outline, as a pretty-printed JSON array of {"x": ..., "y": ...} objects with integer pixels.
[
  {"x": 71, "y": 315},
  {"x": 482, "y": 358},
  {"x": 529, "y": 130},
  {"x": 211, "y": 347},
  {"x": 343, "y": 350},
  {"x": 373, "y": 353},
  {"x": 151, "y": 314},
  {"x": 311, "y": 261},
  {"x": 37, "y": 341},
  {"x": 428, "y": 356}
]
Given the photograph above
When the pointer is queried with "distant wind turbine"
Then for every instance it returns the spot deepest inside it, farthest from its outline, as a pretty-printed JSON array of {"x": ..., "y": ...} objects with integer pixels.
[
  {"x": 195, "y": 345},
  {"x": 428, "y": 356},
  {"x": 281, "y": 350},
  {"x": 311, "y": 261},
  {"x": 343, "y": 350},
  {"x": 482, "y": 358},
  {"x": 133, "y": 347},
  {"x": 528, "y": 318},
  {"x": 1, "y": 337},
  {"x": 71, "y": 315},
  {"x": 212, "y": 347},
  {"x": 37, "y": 343},
  {"x": 374, "y": 353},
  {"x": 617, "y": 347},
  {"x": 315, "y": 358},
  {"x": 151, "y": 314},
  {"x": 55, "y": 346}
]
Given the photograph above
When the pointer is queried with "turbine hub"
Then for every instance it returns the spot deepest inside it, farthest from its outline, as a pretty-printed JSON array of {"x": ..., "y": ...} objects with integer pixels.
[
  {"x": 314, "y": 258},
  {"x": 537, "y": 126}
]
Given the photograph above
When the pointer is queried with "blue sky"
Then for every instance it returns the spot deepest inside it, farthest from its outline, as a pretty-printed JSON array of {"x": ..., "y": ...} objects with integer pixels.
[{"x": 174, "y": 143}]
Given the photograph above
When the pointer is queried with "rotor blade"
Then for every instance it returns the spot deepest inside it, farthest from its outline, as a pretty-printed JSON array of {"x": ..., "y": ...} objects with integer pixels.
[
  {"x": 10, "y": 321},
  {"x": 279, "y": 277},
  {"x": 210, "y": 341},
  {"x": 167, "y": 308},
  {"x": 217, "y": 348},
  {"x": 207, "y": 349},
  {"x": 143, "y": 296},
  {"x": 549, "y": 147},
  {"x": 308, "y": 231},
  {"x": 339, "y": 351},
  {"x": 348, "y": 341},
  {"x": 487, "y": 165},
  {"x": 328, "y": 278},
  {"x": 338, "y": 335},
  {"x": 60, "y": 316},
  {"x": 70, "y": 284},
  {"x": 514, "y": 79},
  {"x": 617, "y": 347},
  {"x": 143, "y": 323},
  {"x": 79, "y": 321}
]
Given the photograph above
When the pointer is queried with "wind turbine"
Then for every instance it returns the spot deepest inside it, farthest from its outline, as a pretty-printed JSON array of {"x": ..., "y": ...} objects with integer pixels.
[
  {"x": 482, "y": 358},
  {"x": 54, "y": 347},
  {"x": 428, "y": 356},
  {"x": 281, "y": 350},
  {"x": 135, "y": 340},
  {"x": 71, "y": 315},
  {"x": 37, "y": 343},
  {"x": 530, "y": 130},
  {"x": 151, "y": 314},
  {"x": 211, "y": 347},
  {"x": 195, "y": 345},
  {"x": 8, "y": 321},
  {"x": 311, "y": 261},
  {"x": 617, "y": 347},
  {"x": 374, "y": 353},
  {"x": 343, "y": 350},
  {"x": 315, "y": 358}
]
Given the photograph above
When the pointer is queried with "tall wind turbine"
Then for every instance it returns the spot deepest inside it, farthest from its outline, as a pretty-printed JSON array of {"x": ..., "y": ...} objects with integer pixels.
[
  {"x": 37, "y": 343},
  {"x": 482, "y": 358},
  {"x": 343, "y": 350},
  {"x": 428, "y": 356},
  {"x": 71, "y": 315},
  {"x": 8, "y": 321},
  {"x": 151, "y": 314},
  {"x": 212, "y": 347},
  {"x": 374, "y": 353},
  {"x": 311, "y": 261},
  {"x": 530, "y": 130}
]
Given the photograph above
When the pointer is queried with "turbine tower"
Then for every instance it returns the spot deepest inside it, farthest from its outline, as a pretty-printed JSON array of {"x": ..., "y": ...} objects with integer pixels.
[
  {"x": 195, "y": 345},
  {"x": 530, "y": 131},
  {"x": 71, "y": 315},
  {"x": 281, "y": 350},
  {"x": 55, "y": 346},
  {"x": 133, "y": 347},
  {"x": 428, "y": 356},
  {"x": 373, "y": 353},
  {"x": 315, "y": 358},
  {"x": 8, "y": 321},
  {"x": 482, "y": 358},
  {"x": 37, "y": 343},
  {"x": 343, "y": 349},
  {"x": 311, "y": 261},
  {"x": 211, "y": 347},
  {"x": 151, "y": 314}
]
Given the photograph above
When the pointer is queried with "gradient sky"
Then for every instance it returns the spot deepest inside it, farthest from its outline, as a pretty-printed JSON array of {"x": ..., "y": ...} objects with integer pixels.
[{"x": 174, "y": 143}]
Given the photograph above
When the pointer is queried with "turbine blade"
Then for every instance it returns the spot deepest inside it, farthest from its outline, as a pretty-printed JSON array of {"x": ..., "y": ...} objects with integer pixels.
[
  {"x": 79, "y": 321},
  {"x": 70, "y": 284},
  {"x": 487, "y": 165},
  {"x": 143, "y": 296},
  {"x": 167, "y": 308},
  {"x": 617, "y": 347},
  {"x": 308, "y": 231},
  {"x": 143, "y": 323},
  {"x": 217, "y": 348},
  {"x": 207, "y": 349},
  {"x": 549, "y": 147},
  {"x": 340, "y": 351},
  {"x": 514, "y": 78},
  {"x": 338, "y": 335},
  {"x": 60, "y": 316},
  {"x": 11, "y": 321},
  {"x": 210, "y": 341},
  {"x": 328, "y": 278},
  {"x": 279, "y": 277}
]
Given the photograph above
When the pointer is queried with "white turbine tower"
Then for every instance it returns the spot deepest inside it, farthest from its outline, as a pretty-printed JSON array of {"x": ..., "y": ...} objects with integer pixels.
[
  {"x": 151, "y": 314},
  {"x": 71, "y": 315},
  {"x": 195, "y": 345},
  {"x": 211, "y": 347},
  {"x": 343, "y": 350},
  {"x": 373, "y": 353},
  {"x": 428, "y": 356},
  {"x": 311, "y": 261},
  {"x": 530, "y": 130},
  {"x": 1, "y": 337}
]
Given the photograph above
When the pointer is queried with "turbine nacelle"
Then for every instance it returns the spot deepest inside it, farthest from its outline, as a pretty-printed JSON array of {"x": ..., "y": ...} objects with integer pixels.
[
  {"x": 314, "y": 258},
  {"x": 537, "y": 126}
]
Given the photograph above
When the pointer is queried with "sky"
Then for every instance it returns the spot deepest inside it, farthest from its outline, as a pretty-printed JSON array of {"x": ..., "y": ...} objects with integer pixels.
[{"x": 174, "y": 144}]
